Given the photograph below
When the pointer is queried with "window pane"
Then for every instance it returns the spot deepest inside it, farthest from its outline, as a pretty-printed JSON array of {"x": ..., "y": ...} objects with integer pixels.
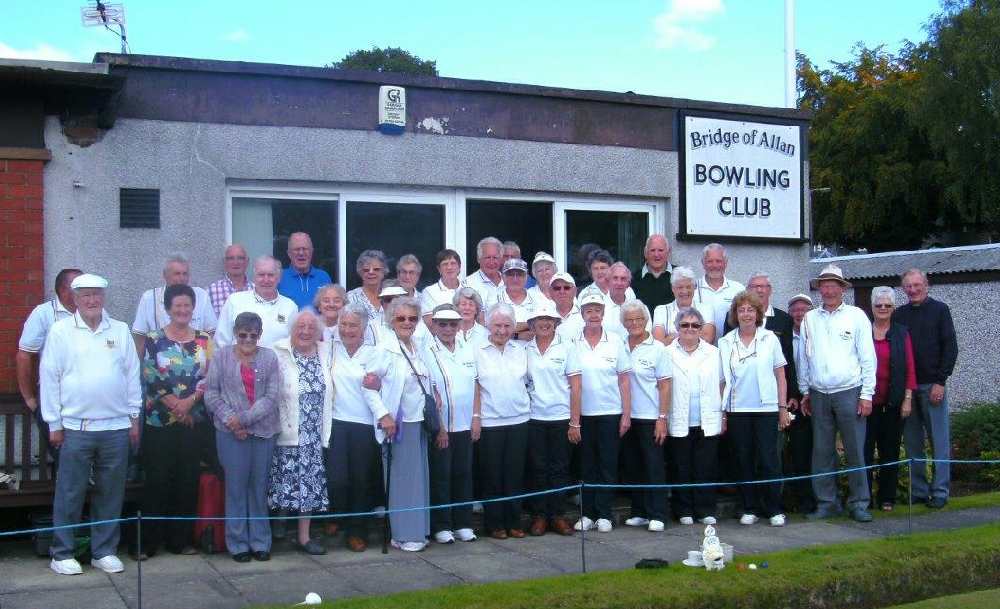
[
  {"x": 396, "y": 229},
  {"x": 263, "y": 225},
  {"x": 621, "y": 233},
  {"x": 529, "y": 223}
]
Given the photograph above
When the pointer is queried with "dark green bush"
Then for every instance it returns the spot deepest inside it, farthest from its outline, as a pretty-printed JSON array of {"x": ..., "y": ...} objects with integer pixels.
[{"x": 975, "y": 434}]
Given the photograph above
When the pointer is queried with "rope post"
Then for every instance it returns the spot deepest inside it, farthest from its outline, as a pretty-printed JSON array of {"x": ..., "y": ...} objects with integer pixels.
[
  {"x": 138, "y": 552},
  {"x": 583, "y": 534},
  {"x": 909, "y": 496}
]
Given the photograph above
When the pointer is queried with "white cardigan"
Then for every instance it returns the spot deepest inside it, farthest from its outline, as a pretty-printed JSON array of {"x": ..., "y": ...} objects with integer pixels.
[
  {"x": 389, "y": 363},
  {"x": 288, "y": 395},
  {"x": 705, "y": 360},
  {"x": 769, "y": 357}
]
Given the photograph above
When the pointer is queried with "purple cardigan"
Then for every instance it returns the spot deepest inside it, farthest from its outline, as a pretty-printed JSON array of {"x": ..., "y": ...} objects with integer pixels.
[{"x": 225, "y": 394}]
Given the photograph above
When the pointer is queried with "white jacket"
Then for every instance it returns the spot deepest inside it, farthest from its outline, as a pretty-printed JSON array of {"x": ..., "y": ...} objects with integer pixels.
[
  {"x": 705, "y": 360},
  {"x": 288, "y": 394}
]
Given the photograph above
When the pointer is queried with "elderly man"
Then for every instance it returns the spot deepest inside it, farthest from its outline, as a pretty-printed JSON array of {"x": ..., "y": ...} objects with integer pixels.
[
  {"x": 563, "y": 291},
  {"x": 408, "y": 270},
  {"x": 235, "y": 260},
  {"x": 715, "y": 288},
  {"x": 301, "y": 280},
  {"x": 619, "y": 278},
  {"x": 935, "y": 350},
  {"x": 275, "y": 310},
  {"x": 151, "y": 315},
  {"x": 487, "y": 280},
  {"x": 837, "y": 381},
  {"x": 800, "y": 438},
  {"x": 91, "y": 399},
  {"x": 652, "y": 282}
]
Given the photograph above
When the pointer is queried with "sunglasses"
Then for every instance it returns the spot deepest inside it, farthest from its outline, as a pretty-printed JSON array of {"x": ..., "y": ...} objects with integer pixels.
[
  {"x": 690, "y": 324},
  {"x": 882, "y": 306},
  {"x": 412, "y": 319},
  {"x": 561, "y": 288},
  {"x": 446, "y": 323},
  {"x": 247, "y": 335}
]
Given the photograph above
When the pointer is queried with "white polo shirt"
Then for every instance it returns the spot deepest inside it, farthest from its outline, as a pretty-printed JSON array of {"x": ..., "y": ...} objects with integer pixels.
[
  {"x": 39, "y": 322},
  {"x": 651, "y": 363},
  {"x": 488, "y": 291},
  {"x": 502, "y": 378},
  {"x": 349, "y": 400},
  {"x": 600, "y": 366},
  {"x": 436, "y": 294},
  {"x": 572, "y": 324},
  {"x": 476, "y": 337},
  {"x": 151, "y": 316},
  {"x": 664, "y": 315},
  {"x": 275, "y": 314},
  {"x": 720, "y": 300},
  {"x": 548, "y": 378},
  {"x": 523, "y": 309},
  {"x": 454, "y": 375}
]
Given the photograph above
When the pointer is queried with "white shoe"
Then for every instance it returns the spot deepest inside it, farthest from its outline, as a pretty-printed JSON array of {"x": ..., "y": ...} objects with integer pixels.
[
  {"x": 748, "y": 519},
  {"x": 444, "y": 537},
  {"x": 637, "y": 521},
  {"x": 687, "y": 520},
  {"x": 465, "y": 535},
  {"x": 108, "y": 564},
  {"x": 603, "y": 525},
  {"x": 66, "y": 566},
  {"x": 778, "y": 520},
  {"x": 655, "y": 526},
  {"x": 409, "y": 546},
  {"x": 584, "y": 524},
  {"x": 708, "y": 520},
  {"x": 477, "y": 507}
]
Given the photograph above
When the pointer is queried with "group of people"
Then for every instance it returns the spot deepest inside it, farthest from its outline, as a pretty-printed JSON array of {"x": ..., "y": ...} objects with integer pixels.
[{"x": 317, "y": 400}]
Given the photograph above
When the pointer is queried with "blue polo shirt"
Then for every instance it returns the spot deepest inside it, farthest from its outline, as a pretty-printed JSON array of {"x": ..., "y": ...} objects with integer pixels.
[{"x": 302, "y": 287}]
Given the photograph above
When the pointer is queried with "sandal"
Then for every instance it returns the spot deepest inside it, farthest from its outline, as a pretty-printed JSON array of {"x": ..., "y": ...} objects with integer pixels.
[{"x": 886, "y": 506}]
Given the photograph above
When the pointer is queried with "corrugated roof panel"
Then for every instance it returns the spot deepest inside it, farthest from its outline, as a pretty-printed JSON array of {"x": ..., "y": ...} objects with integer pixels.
[{"x": 935, "y": 261}]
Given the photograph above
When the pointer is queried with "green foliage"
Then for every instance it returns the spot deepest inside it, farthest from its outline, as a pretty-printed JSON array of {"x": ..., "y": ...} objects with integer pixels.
[
  {"x": 975, "y": 434},
  {"x": 389, "y": 59}
]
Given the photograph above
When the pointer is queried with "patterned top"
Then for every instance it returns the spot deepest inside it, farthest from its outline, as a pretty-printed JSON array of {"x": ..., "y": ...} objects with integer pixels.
[
  {"x": 222, "y": 289},
  {"x": 174, "y": 368}
]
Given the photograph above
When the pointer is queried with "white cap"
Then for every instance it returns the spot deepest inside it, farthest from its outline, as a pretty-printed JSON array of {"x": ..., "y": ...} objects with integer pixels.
[
  {"x": 392, "y": 290},
  {"x": 563, "y": 276},
  {"x": 802, "y": 297},
  {"x": 542, "y": 257},
  {"x": 592, "y": 298},
  {"x": 89, "y": 280},
  {"x": 547, "y": 309},
  {"x": 446, "y": 312}
]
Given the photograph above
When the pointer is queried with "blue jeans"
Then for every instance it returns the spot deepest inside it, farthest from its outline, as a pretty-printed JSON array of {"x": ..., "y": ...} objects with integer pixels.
[
  {"x": 934, "y": 422},
  {"x": 106, "y": 453},
  {"x": 832, "y": 413},
  {"x": 247, "y": 464}
]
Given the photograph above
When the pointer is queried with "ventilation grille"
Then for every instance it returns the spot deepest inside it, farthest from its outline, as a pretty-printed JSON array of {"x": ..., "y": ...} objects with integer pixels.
[{"x": 140, "y": 208}]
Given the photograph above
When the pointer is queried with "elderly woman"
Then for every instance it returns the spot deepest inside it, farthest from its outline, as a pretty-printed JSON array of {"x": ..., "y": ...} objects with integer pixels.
[
  {"x": 756, "y": 398},
  {"x": 514, "y": 294},
  {"x": 599, "y": 264},
  {"x": 543, "y": 267},
  {"x": 643, "y": 446},
  {"x": 449, "y": 265},
  {"x": 370, "y": 266},
  {"x": 453, "y": 373},
  {"x": 470, "y": 306},
  {"x": 305, "y": 405},
  {"x": 398, "y": 409},
  {"x": 241, "y": 392},
  {"x": 696, "y": 419},
  {"x": 895, "y": 382},
  {"x": 684, "y": 286},
  {"x": 173, "y": 370},
  {"x": 500, "y": 423},
  {"x": 353, "y": 451},
  {"x": 408, "y": 270},
  {"x": 606, "y": 411},
  {"x": 554, "y": 389},
  {"x": 329, "y": 300}
]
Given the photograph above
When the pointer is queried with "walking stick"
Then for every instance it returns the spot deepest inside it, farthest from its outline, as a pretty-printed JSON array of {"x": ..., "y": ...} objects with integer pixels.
[{"x": 388, "y": 479}]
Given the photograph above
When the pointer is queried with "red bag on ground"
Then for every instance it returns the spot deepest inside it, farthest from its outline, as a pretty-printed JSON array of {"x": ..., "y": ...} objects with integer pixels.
[{"x": 210, "y": 534}]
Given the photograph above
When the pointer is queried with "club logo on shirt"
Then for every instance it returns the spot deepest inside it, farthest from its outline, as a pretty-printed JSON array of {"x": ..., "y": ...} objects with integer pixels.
[
  {"x": 111, "y": 344},
  {"x": 281, "y": 319}
]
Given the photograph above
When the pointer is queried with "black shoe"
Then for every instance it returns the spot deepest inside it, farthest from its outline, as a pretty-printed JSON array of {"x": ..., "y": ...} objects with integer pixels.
[
  {"x": 311, "y": 547},
  {"x": 937, "y": 502},
  {"x": 861, "y": 515},
  {"x": 208, "y": 540},
  {"x": 261, "y": 556},
  {"x": 242, "y": 557}
]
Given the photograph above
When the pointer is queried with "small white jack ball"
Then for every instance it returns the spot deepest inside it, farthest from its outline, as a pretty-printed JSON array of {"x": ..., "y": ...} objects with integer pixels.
[
  {"x": 313, "y": 599},
  {"x": 753, "y": 567}
]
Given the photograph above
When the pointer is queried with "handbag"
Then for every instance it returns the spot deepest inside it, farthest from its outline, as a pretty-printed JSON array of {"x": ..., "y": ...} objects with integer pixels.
[{"x": 431, "y": 422}]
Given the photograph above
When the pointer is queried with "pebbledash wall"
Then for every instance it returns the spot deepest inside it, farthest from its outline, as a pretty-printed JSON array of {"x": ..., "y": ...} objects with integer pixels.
[{"x": 203, "y": 132}]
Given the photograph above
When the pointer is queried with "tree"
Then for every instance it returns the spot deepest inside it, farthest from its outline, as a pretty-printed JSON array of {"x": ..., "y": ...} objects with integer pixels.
[
  {"x": 883, "y": 177},
  {"x": 960, "y": 110},
  {"x": 390, "y": 59}
]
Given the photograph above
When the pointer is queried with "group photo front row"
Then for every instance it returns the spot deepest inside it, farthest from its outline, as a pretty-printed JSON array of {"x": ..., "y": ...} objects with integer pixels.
[{"x": 319, "y": 408}]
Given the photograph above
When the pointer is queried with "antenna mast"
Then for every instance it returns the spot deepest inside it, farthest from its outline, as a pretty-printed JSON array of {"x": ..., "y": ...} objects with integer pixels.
[{"x": 106, "y": 15}]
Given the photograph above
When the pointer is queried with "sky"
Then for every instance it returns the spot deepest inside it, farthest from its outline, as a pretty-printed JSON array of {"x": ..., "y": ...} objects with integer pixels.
[{"x": 712, "y": 50}]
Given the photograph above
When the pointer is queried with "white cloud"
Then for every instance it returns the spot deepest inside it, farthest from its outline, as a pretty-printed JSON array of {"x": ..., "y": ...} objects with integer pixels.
[
  {"x": 40, "y": 51},
  {"x": 239, "y": 35},
  {"x": 678, "y": 27}
]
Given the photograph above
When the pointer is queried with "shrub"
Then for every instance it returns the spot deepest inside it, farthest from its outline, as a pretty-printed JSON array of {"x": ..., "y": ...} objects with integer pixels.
[{"x": 975, "y": 434}]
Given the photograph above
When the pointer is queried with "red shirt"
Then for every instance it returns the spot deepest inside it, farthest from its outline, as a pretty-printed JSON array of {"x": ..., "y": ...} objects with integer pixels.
[{"x": 882, "y": 370}]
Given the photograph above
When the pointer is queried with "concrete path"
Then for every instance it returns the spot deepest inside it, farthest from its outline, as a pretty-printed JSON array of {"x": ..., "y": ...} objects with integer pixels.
[{"x": 218, "y": 582}]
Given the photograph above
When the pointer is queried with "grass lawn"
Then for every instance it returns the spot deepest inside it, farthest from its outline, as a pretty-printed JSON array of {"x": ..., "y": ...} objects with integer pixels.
[{"x": 983, "y": 598}]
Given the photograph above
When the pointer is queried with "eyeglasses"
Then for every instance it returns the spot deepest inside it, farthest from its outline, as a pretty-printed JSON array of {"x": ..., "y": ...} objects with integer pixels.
[
  {"x": 247, "y": 335},
  {"x": 561, "y": 288},
  {"x": 407, "y": 273},
  {"x": 376, "y": 269},
  {"x": 401, "y": 318},
  {"x": 882, "y": 306},
  {"x": 693, "y": 325},
  {"x": 235, "y": 258},
  {"x": 446, "y": 323}
]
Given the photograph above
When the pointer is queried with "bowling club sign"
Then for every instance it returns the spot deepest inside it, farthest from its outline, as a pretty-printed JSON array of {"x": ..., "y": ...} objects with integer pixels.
[{"x": 741, "y": 180}]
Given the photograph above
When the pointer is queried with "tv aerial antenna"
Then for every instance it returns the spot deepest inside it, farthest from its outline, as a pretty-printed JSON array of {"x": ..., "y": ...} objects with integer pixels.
[{"x": 106, "y": 15}]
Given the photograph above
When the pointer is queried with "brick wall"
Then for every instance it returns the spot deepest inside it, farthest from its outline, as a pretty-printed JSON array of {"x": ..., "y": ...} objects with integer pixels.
[{"x": 22, "y": 264}]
